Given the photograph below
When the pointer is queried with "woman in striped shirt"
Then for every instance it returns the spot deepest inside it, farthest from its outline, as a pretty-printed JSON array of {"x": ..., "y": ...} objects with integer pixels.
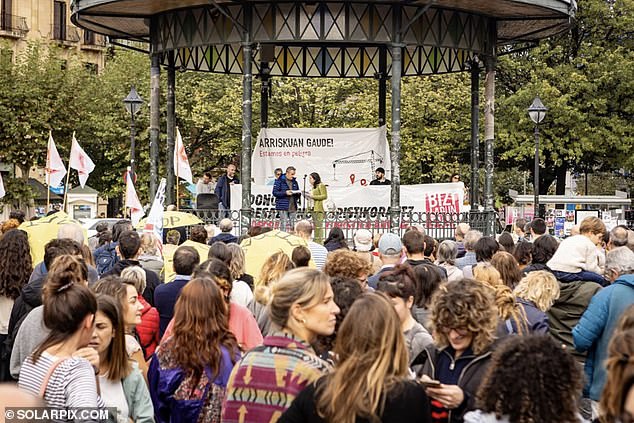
[{"x": 62, "y": 369}]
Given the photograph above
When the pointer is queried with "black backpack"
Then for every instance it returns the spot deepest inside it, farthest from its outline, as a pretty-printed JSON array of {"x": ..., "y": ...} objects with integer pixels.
[{"x": 105, "y": 257}]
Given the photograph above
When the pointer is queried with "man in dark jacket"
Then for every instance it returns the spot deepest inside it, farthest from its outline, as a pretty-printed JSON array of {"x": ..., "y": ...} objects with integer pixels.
[
  {"x": 223, "y": 190},
  {"x": 165, "y": 296},
  {"x": 287, "y": 198},
  {"x": 128, "y": 249},
  {"x": 226, "y": 226}
]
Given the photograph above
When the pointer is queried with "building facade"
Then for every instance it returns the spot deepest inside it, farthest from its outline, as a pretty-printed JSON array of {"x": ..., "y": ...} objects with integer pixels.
[{"x": 48, "y": 21}]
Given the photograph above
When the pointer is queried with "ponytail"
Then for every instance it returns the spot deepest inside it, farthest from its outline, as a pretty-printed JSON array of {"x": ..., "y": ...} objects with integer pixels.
[
  {"x": 66, "y": 299},
  {"x": 509, "y": 309}
]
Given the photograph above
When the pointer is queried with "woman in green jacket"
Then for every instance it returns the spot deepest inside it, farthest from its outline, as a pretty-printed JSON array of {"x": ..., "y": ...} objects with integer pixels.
[{"x": 318, "y": 194}]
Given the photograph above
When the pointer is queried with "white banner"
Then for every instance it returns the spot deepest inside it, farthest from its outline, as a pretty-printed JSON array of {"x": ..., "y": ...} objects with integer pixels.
[
  {"x": 367, "y": 200},
  {"x": 341, "y": 156}
]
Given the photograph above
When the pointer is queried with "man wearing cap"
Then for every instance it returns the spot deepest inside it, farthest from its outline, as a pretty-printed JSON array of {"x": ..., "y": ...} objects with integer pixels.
[
  {"x": 380, "y": 177},
  {"x": 390, "y": 252},
  {"x": 363, "y": 245}
]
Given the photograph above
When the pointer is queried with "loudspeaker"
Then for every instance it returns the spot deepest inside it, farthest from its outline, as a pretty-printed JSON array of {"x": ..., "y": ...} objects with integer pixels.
[{"x": 207, "y": 201}]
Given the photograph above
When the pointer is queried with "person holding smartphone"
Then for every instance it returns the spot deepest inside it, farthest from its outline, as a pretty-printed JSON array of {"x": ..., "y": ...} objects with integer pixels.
[{"x": 464, "y": 319}]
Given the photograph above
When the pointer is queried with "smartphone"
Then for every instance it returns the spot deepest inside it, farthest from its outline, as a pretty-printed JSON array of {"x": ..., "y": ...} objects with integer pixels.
[{"x": 430, "y": 383}]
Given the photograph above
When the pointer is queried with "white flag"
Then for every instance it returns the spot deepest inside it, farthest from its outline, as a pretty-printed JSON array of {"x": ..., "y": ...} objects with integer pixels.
[
  {"x": 154, "y": 221},
  {"x": 80, "y": 161},
  {"x": 2, "y": 191},
  {"x": 181, "y": 164},
  {"x": 132, "y": 200},
  {"x": 55, "y": 168}
]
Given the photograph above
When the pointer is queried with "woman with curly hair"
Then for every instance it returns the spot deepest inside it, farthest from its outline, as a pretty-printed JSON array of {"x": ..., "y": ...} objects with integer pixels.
[
  {"x": 15, "y": 270},
  {"x": 347, "y": 264},
  {"x": 370, "y": 381},
  {"x": 536, "y": 293},
  {"x": 508, "y": 267},
  {"x": 189, "y": 373},
  {"x": 273, "y": 269},
  {"x": 511, "y": 314},
  {"x": 464, "y": 321},
  {"x": 617, "y": 399},
  {"x": 531, "y": 379}
]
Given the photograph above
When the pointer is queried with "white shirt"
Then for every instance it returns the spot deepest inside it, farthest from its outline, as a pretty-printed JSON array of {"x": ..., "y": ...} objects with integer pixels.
[
  {"x": 241, "y": 293},
  {"x": 113, "y": 395},
  {"x": 6, "y": 305},
  {"x": 575, "y": 254}
]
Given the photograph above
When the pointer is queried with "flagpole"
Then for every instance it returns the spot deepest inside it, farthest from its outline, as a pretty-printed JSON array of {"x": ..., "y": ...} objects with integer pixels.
[
  {"x": 67, "y": 177},
  {"x": 48, "y": 174},
  {"x": 177, "y": 181}
]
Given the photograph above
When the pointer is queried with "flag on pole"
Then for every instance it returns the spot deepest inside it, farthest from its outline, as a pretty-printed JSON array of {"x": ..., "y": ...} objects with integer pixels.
[
  {"x": 132, "y": 200},
  {"x": 181, "y": 164},
  {"x": 2, "y": 191},
  {"x": 80, "y": 161},
  {"x": 154, "y": 221},
  {"x": 55, "y": 168}
]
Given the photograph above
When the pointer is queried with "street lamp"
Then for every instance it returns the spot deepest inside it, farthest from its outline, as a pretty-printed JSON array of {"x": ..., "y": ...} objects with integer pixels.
[
  {"x": 132, "y": 104},
  {"x": 537, "y": 112}
]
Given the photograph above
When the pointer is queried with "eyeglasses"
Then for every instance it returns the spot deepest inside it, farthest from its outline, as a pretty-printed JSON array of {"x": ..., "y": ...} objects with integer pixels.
[{"x": 459, "y": 331}]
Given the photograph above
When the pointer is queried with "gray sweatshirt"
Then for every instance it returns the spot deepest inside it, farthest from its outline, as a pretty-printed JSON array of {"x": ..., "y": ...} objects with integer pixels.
[{"x": 32, "y": 333}]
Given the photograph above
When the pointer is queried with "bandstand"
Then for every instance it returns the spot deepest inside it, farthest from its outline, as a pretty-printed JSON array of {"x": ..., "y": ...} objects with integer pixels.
[{"x": 374, "y": 39}]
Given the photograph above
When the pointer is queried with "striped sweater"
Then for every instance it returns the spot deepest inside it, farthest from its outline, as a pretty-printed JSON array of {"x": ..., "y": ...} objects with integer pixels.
[
  {"x": 72, "y": 384},
  {"x": 268, "y": 378}
]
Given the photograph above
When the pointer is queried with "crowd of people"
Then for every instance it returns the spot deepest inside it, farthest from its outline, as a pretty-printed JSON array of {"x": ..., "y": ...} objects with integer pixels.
[{"x": 383, "y": 328}]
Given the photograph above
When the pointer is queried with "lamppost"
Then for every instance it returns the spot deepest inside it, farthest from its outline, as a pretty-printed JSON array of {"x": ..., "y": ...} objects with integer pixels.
[
  {"x": 132, "y": 104},
  {"x": 537, "y": 112}
]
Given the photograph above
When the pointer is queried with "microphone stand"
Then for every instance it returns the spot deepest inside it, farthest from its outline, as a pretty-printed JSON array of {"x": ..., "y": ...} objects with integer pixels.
[{"x": 304, "y": 204}]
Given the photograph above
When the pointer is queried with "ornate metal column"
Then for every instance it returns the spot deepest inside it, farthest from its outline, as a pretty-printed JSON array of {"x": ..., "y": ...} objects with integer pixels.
[
  {"x": 475, "y": 135},
  {"x": 171, "y": 128},
  {"x": 489, "y": 129},
  {"x": 245, "y": 169},
  {"x": 155, "y": 115},
  {"x": 265, "y": 92},
  {"x": 395, "y": 146}
]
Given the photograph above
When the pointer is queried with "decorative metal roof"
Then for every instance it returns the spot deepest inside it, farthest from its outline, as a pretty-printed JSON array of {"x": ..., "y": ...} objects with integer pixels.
[{"x": 326, "y": 38}]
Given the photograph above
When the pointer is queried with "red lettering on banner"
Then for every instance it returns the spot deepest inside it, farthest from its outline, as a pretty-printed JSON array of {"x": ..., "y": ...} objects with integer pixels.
[{"x": 441, "y": 203}]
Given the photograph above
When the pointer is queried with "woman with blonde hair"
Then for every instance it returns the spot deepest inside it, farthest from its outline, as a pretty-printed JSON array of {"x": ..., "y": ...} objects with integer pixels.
[
  {"x": 149, "y": 257},
  {"x": 511, "y": 314},
  {"x": 536, "y": 293},
  {"x": 301, "y": 308},
  {"x": 148, "y": 329},
  {"x": 370, "y": 380},
  {"x": 617, "y": 399},
  {"x": 275, "y": 266},
  {"x": 240, "y": 291},
  {"x": 464, "y": 321}
]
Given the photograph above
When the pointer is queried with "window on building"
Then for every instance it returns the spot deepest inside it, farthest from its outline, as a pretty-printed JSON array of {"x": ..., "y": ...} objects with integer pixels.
[
  {"x": 91, "y": 67},
  {"x": 89, "y": 37},
  {"x": 6, "y": 11},
  {"x": 59, "y": 20}
]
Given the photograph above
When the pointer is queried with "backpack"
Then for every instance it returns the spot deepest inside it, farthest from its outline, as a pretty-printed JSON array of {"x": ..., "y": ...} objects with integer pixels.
[{"x": 105, "y": 257}]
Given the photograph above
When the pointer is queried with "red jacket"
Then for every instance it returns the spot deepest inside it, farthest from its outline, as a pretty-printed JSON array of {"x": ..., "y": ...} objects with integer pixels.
[{"x": 148, "y": 329}]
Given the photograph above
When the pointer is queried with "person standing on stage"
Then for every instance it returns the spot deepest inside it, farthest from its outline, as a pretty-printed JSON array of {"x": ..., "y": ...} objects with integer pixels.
[
  {"x": 318, "y": 195},
  {"x": 205, "y": 184},
  {"x": 380, "y": 177},
  {"x": 223, "y": 190},
  {"x": 287, "y": 197}
]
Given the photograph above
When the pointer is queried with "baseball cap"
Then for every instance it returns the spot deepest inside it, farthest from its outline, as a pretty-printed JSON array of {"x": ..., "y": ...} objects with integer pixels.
[
  {"x": 363, "y": 240},
  {"x": 390, "y": 244}
]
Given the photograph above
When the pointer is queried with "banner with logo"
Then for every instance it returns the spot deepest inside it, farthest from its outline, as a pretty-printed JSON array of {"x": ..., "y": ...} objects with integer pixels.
[
  {"x": 367, "y": 201},
  {"x": 341, "y": 156}
]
